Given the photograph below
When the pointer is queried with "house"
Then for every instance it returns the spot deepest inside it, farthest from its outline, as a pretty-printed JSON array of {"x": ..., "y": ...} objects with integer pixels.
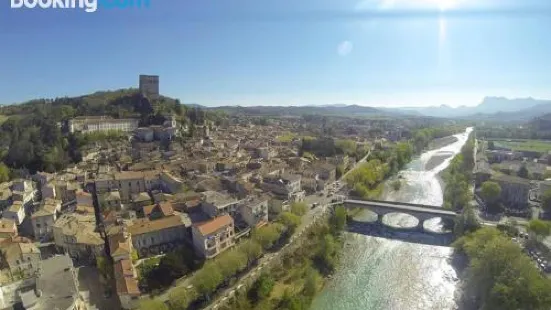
[
  {"x": 126, "y": 283},
  {"x": 110, "y": 200},
  {"x": 15, "y": 212},
  {"x": 21, "y": 258},
  {"x": 8, "y": 229},
  {"x": 214, "y": 236},
  {"x": 170, "y": 183},
  {"x": 6, "y": 198},
  {"x": 84, "y": 199},
  {"x": 129, "y": 182},
  {"x": 514, "y": 191},
  {"x": 120, "y": 245},
  {"x": 163, "y": 232},
  {"x": 287, "y": 186},
  {"x": 254, "y": 211},
  {"x": 47, "y": 190},
  {"x": 140, "y": 200},
  {"x": 56, "y": 287},
  {"x": 75, "y": 234},
  {"x": 43, "y": 220},
  {"x": 215, "y": 204}
]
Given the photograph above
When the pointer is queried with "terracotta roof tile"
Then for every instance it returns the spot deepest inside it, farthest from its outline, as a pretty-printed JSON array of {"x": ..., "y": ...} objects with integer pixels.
[
  {"x": 144, "y": 227},
  {"x": 212, "y": 226}
]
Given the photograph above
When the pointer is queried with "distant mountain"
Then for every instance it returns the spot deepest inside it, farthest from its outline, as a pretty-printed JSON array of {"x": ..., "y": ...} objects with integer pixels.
[
  {"x": 301, "y": 110},
  {"x": 491, "y": 108}
]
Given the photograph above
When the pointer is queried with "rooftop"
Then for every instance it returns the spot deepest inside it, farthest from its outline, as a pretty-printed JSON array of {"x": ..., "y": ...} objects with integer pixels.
[
  {"x": 57, "y": 283},
  {"x": 146, "y": 226},
  {"x": 214, "y": 225},
  {"x": 218, "y": 199}
]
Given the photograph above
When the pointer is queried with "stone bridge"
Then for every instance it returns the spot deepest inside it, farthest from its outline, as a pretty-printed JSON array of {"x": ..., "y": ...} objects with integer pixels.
[{"x": 382, "y": 208}]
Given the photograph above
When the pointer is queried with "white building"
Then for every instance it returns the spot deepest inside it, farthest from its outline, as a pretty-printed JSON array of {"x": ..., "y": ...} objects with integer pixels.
[
  {"x": 254, "y": 211},
  {"x": 87, "y": 124},
  {"x": 214, "y": 236}
]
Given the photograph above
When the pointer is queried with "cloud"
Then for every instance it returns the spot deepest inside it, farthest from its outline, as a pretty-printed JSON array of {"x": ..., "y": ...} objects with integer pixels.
[{"x": 345, "y": 48}]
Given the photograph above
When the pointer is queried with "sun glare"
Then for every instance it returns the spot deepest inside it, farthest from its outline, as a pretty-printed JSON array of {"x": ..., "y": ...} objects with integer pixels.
[{"x": 445, "y": 5}]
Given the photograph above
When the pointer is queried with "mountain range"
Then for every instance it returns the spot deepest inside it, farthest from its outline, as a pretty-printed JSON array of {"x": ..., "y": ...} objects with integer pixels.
[{"x": 498, "y": 108}]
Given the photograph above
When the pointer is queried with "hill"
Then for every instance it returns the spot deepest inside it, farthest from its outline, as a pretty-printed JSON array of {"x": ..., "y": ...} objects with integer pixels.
[
  {"x": 490, "y": 109},
  {"x": 31, "y": 138}
]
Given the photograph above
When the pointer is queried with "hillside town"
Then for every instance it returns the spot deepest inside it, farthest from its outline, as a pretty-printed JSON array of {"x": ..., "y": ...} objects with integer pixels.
[{"x": 163, "y": 188}]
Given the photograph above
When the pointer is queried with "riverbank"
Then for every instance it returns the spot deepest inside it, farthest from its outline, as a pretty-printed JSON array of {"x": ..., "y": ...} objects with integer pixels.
[{"x": 442, "y": 142}]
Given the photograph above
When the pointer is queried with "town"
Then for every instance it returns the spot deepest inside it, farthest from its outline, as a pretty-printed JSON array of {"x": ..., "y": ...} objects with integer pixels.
[{"x": 187, "y": 188}]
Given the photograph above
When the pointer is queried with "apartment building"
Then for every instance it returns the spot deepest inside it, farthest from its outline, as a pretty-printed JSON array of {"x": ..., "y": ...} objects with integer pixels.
[
  {"x": 44, "y": 219},
  {"x": 287, "y": 186},
  {"x": 254, "y": 211},
  {"x": 216, "y": 204},
  {"x": 75, "y": 234},
  {"x": 214, "y": 236},
  {"x": 15, "y": 212},
  {"x": 150, "y": 236},
  {"x": 89, "y": 124},
  {"x": 8, "y": 229},
  {"x": 21, "y": 258}
]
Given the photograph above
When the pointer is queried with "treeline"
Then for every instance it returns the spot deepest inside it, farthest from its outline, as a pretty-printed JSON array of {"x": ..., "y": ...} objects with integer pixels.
[
  {"x": 457, "y": 178},
  {"x": 422, "y": 137},
  {"x": 33, "y": 138},
  {"x": 294, "y": 283},
  {"x": 499, "y": 276},
  {"x": 366, "y": 180}
]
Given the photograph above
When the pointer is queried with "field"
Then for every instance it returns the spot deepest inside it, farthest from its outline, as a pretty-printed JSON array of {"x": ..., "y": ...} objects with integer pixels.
[{"x": 524, "y": 145}]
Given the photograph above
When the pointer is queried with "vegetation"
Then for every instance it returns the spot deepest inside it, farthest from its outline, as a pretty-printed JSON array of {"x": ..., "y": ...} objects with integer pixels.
[
  {"x": 152, "y": 304},
  {"x": 294, "y": 283},
  {"x": 457, "y": 178},
  {"x": 467, "y": 222},
  {"x": 157, "y": 273},
  {"x": 546, "y": 200},
  {"x": 32, "y": 139},
  {"x": 490, "y": 192},
  {"x": 299, "y": 208},
  {"x": 499, "y": 275},
  {"x": 539, "y": 229},
  {"x": 323, "y": 147},
  {"x": 539, "y": 146},
  {"x": 396, "y": 185},
  {"x": 422, "y": 137}
]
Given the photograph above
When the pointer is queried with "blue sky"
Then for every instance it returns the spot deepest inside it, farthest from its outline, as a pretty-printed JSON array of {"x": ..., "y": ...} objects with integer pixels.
[{"x": 286, "y": 52}]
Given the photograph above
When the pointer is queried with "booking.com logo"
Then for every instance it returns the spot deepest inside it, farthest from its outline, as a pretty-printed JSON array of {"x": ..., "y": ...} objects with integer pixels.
[{"x": 89, "y": 6}]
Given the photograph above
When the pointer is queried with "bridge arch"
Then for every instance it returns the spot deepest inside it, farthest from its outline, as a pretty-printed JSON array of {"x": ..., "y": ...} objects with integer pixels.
[{"x": 382, "y": 208}]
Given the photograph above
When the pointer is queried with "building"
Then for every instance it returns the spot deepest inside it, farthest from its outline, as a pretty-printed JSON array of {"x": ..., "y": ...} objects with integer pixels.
[
  {"x": 149, "y": 85},
  {"x": 120, "y": 245},
  {"x": 170, "y": 183},
  {"x": 287, "y": 186},
  {"x": 23, "y": 259},
  {"x": 8, "y": 229},
  {"x": 15, "y": 212},
  {"x": 214, "y": 236},
  {"x": 162, "y": 232},
  {"x": 43, "y": 220},
  {"x": 75, "y": 234},
  {"x": 254, "y": 211},
  {"x": 56, "y": 287},
  {"x": 88, "y": 124},
  {"x": 216, "y": 204},
  {"x": 514, "y": 191},
  {"x": 84, "y": 199},
  {"x": 126, "y": 283},
  {"x": 129, "y": 182}
]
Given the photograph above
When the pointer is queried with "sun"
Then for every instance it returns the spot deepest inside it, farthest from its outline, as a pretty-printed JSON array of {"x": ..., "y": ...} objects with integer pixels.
[{"x": 445, "y": 5}]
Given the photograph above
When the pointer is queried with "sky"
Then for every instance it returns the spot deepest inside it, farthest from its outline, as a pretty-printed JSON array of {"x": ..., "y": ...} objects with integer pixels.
[{"x": 262, "y": 52}]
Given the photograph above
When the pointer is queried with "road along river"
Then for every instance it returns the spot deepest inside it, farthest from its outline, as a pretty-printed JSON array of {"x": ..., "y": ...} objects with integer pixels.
[{"x": 378, "y": 273}]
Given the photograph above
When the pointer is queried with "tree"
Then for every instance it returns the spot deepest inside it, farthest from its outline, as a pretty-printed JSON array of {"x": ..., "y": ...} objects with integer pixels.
[
  {"x": 267, "y": 235},
  {"x": 4, "y": 173},
  {"x": 491, "y": 145},
  {"x": 490, "y": 191},
  {"x": 546, "y": 200},
  {"x": 181, "y": 297},
  {"x": 523, "y": 171},
  {"x": 539, "y": 228},
  {"x": 207, "y": 279},
  {"x": 467, "y": 222},
  {"x": 311, "y": 283},
  {"x": 134, "y": 255},
  {"x": 262, "y": 288},
  {"x": 299, "y": 208},
  {"x": 338, "y": 220},
  {"x": 290, "y": 220},
  {"x": 252, "y": 250},
  {"x": 152, "y": 304}
]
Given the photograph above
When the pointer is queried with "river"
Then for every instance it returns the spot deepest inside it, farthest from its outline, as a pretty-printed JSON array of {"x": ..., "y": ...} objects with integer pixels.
[{"x": 385, "y": 274}]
